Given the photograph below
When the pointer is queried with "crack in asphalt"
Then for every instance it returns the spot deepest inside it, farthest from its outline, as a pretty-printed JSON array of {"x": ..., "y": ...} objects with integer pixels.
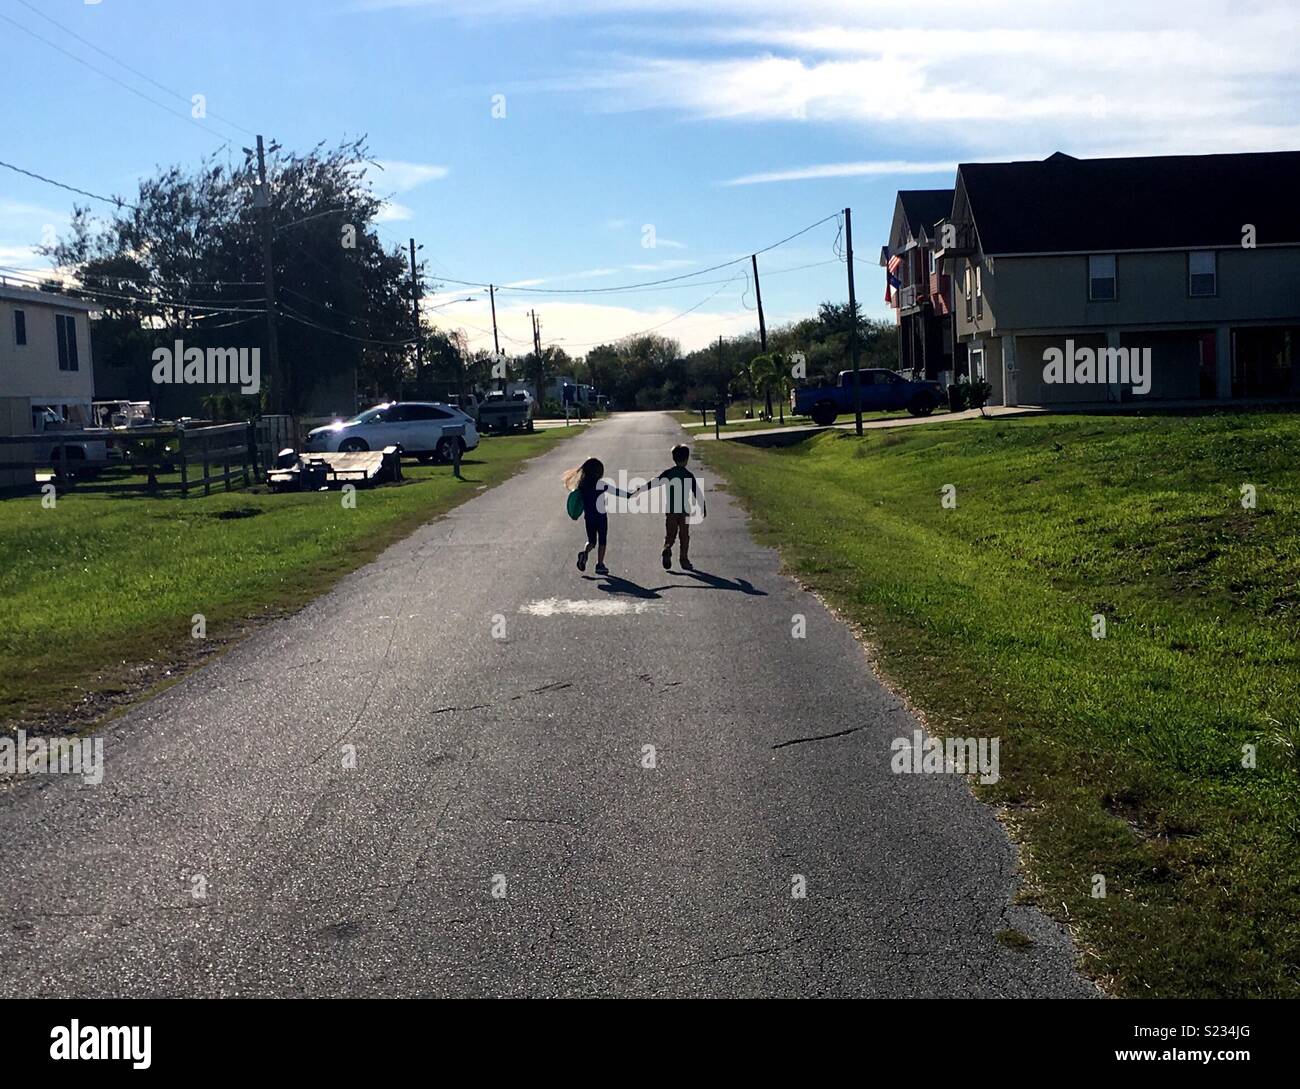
[
  {"x": 709, "y": 961},
  {"x": 818, "y": 737}
]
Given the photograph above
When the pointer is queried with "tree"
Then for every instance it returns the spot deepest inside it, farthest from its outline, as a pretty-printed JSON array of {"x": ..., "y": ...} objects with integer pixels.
[
  {"x": 185, "y": 261},
  {"x": 765, "y": 372},
  {"x": 744, "y": 381}
]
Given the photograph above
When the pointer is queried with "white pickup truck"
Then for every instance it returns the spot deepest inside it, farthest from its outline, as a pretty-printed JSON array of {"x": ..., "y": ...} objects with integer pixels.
[{"x": 78, "y": 454}]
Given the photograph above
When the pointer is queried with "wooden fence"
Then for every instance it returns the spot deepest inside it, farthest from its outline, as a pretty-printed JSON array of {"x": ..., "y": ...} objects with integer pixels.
[
  {"x": 232, "y": 446},
  {"x": 168, "y": 457}
]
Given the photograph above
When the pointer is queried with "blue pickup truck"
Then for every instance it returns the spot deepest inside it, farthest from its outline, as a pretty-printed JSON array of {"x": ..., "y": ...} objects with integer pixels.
[{"x": 882, "y": 390}]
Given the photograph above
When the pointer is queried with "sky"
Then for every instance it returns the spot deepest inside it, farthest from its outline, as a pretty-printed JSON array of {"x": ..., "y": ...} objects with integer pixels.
[{"x": 596, "y": 144}]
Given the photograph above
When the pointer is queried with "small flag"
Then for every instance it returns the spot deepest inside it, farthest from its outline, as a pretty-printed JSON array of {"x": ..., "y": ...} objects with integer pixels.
[{"x": 892, "y": 280}]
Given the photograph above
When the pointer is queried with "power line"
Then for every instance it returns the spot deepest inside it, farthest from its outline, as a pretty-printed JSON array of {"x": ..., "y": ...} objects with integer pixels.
[
  {"x": 169, "y": 304},
  {"x": 26, "y": 280},
  {"x": 336, "y": 313},
  {"x": 166, "y": 283},
  {"x": 651, "y": 329},
  {"x": 293, "y": 315},
  {"x": 140, "y": 94},
  {"x": 70, "y": 188},
  {"x": 488, "y": 332},
  {"x": 306, "y": 219},
  {"x": 133, "y": 71},
  {"x": 648, "y": 283},
  {"x": 710, "y": 283},
  {"x": 228, "y": 324}
]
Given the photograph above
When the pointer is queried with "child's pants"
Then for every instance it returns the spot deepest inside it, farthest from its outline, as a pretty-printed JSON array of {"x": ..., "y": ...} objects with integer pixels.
[
  {"x": 597, "y": 529},
  {"x": 674, "y": 524}
]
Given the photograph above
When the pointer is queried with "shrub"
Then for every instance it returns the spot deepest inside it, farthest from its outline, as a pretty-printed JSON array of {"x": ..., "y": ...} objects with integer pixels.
[{"x": 974, "y": 394}]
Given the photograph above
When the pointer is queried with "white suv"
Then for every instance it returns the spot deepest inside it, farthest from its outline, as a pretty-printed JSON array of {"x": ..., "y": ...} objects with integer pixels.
[{"x": 418, "y": 427}]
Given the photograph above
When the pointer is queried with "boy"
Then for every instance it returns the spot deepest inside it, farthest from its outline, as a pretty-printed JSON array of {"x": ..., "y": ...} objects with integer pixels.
[{"x": 679, "y": 506}]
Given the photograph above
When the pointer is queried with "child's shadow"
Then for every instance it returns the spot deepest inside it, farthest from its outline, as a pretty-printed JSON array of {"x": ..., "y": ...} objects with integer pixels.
[
  {"x": 716, "y": 582},
  {"x": 613, "y": 584}
]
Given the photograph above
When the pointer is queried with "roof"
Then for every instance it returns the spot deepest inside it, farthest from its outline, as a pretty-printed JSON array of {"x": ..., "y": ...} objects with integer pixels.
[
  {"x": 925, "y": 207},
  {"x": 45, "y": 298},
  {"x": 1067, "y": 205}
]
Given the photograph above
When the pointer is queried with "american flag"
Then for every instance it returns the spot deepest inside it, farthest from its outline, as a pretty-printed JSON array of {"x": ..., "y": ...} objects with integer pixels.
[{"x": 892, "y": 280}]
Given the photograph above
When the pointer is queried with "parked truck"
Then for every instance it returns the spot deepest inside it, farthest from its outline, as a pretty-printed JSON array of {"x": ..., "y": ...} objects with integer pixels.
[
  {"x": 468, "y": 403},
  {"x": 83, "y": 452},
  {"x": 881, "y": 390},
  {"x": 502, "y": 411}
]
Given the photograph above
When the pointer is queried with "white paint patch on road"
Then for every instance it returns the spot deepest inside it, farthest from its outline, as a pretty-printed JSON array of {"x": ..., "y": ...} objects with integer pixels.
[{"x": 558, "y": 606}]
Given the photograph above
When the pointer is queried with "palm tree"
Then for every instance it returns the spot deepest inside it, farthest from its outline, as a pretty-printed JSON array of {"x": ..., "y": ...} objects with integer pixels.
[
  {"x": 216, "y": 406},
  {"x": 781, "y": 383},
  {"x": 766, "y": 370},
  {"x": 743, "y": 382}
]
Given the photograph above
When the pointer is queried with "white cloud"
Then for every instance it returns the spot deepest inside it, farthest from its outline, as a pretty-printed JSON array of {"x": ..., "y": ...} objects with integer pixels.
[
  {"x": 919, "y": 91},
  {"x": 403, "y": 177},
  {"x": 25, "y": 259},
  {"x": 595, "y": 273},
  {"x": 1079, "y": 75},
  {"x": 31, "y": 213},
  {"x": 846, "y": 170},
  {"x": 577, "y": 326},
  {"x": 390, "y": 211}
]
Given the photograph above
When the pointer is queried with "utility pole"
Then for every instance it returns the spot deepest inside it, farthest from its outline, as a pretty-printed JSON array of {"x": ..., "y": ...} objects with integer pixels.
[
  {"x": 720, "y": 409},
  {"x": 537, "y": 351},
  {"x": 415, "y": 317},
  {"x": 762, "y": 331},
  {"x": 758, "y": 294},
  {"x": 496, "y": 341},
  {"x": 853, "y": 322},
  {"x": 262, "y": 201}
]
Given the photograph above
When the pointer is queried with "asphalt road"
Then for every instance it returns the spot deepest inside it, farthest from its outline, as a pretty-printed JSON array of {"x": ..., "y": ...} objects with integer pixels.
[{"x": 499, "y": 833}]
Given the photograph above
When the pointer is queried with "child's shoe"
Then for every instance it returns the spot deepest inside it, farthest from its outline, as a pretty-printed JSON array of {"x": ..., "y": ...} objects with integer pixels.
[
  {"x": 601, "y": 569},
  {"x": 582, "y": 560},
  {"x": 668, "y": 560},
  {"x": 686, "y": 565}
]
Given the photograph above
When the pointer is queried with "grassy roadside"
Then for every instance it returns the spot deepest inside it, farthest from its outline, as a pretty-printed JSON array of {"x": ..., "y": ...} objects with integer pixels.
[
  {"x": 1120, "y": 756},
  {"x": 739, "y": 423},
  {"x": 95, "y": 589}
]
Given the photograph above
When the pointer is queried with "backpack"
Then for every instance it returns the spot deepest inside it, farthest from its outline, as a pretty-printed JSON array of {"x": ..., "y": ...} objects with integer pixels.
[{"x": 574, "y": 504}]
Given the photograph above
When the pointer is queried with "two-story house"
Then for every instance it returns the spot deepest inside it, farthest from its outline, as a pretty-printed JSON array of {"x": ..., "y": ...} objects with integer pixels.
[
  {"x": 919, "y": 288},
  {"x": 1194, "y": 260},
  {"x": 46, "y": 370}
]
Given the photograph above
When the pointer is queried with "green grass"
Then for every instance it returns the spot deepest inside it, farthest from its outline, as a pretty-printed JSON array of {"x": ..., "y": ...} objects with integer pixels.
[
  {"x": 103, "y": 583},
  {"x": 1120, "y": 756},
  {"x": 737, "y": 422}
]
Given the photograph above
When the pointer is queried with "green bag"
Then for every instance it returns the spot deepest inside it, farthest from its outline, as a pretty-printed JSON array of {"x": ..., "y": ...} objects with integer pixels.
[{"x": 574, "y": 504}]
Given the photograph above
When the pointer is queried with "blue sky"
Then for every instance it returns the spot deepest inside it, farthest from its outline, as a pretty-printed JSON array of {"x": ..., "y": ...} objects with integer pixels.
[{"x": 724, "y": 125}]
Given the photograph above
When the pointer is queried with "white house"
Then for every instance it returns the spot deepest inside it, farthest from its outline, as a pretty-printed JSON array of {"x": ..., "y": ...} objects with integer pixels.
[{"x": 46, "y": 372}]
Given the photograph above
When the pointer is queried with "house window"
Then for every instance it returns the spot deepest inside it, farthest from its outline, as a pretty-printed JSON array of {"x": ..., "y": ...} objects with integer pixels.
[
  {"x": 1202, "y": 274},
  {"x": 65, "y": 328},
  {"x": 965, "y": 287},
  {"x": 979, "y": 292},
  {"x": 932, "y": 263},
  {"x": 1101, "y": 277},
  {"x": 20, "y": 327}
]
